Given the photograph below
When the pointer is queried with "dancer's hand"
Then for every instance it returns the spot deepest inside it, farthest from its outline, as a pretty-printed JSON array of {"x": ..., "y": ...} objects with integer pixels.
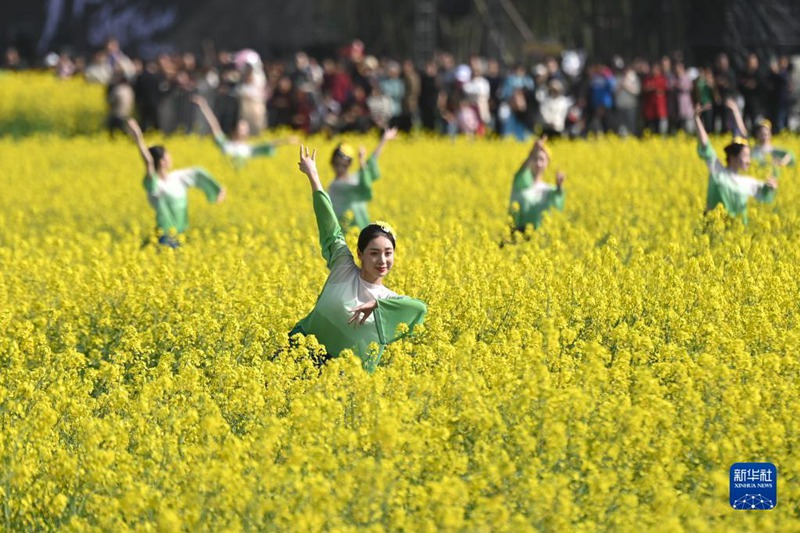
[
  {"x": 308, "y": 166},
  {"x": 538, "y": 144},
  {"x": 223, "y": 193},
  {"x": 560, "y": 177},
  {"x": 389, "y": 134},
  {"x": 362, "y": 312},
  {"x": 308, "y": 162},
  {"x": 772, "y": 183}
]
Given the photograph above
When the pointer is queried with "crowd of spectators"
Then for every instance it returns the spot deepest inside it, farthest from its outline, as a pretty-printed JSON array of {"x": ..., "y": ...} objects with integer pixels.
[{"x": 355, "y": 92}]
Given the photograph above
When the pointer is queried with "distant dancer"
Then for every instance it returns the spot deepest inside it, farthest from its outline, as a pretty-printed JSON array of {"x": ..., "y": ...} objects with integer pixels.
[
  {"x": 167, "y": 191},
  {"x": 531, "y": 196}
]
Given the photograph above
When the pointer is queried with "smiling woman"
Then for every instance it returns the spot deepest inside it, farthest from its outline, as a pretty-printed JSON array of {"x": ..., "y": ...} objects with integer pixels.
[{"x": 355, "y": 310}]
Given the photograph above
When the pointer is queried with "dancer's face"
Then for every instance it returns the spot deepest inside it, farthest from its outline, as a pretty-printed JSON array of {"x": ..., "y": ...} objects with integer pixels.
[
  {"x": 763, "y": 134},
  {"x": 540, "y": 162},
  {"x": 341, "y": 165},
  {"x": 377, "y": 258},
  {"x": 166, "y": 162},
  {"x": 741, "y": 161}
]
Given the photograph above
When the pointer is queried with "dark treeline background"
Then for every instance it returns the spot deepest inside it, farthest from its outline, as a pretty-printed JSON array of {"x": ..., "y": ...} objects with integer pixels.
[{"x": 507, "y": 29}]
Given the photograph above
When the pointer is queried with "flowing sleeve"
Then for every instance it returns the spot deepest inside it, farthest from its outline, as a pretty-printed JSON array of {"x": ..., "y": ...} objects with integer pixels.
[
  {"x": 150, "y": 183},
  {"x": 765, "y": 193},
  {"x": 708, "y": 155},
  {"x": 264, "y": 149},
  {"x": 200, "y": 178},
  {"x": 367, "y": 175},
  {"x": 780, "y": 154},
  {"x": 391, "y": 312},
  {"x": 220, "y": 141},
  {"x": 557, "y": 197},
  {"x": 522, "y": 180},
  {"x": 331, "y": 238}
]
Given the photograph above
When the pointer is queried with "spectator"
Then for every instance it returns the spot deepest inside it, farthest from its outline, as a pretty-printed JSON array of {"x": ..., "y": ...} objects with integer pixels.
[
  {"x": 121, "y": 101},
  {"x": 682, "y": 87},
  {"x": 381, "y": 107},
  {"x": 628, "y": 89},
  {"x": 99, "y": 71},
  {"x": 654, "y": 89},
  {"x": 601, "y": 98},
  {"x": 478, "y": 91},
  {"x": 392, "y": 86},
  {"x": 554, "y": 109},
  {"x": 429, "y": 96},
  {"x": 724, "y": 88},
  {"x": 411, "y": 80},
  {"x": 781, "y": 93},
  {"x": 671, "y": 94},
  {"x": 252, "y": 94},
  {"x": 495, "y": 80},
  {"x": 751, "y": 86},
  {"x": 704, "y": 96},
  {"x": 282, "y": 106}
]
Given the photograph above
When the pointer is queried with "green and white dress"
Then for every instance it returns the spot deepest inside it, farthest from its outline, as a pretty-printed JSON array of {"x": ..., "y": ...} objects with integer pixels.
[
  {"x": 169, "y": 198},
  {"x": 240, "y": 151},
  {"x": 351, "y": 194},
  {"x": 345, "y": 289},
  {"x": 529, "y": 200},
  {"x": 771, "y": 157},
  {"x": 729, "y": 188}
]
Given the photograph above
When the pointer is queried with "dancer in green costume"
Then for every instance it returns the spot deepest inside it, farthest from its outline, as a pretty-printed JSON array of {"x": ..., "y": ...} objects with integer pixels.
[
  {"x": 167, "y": 190},
  {"x": 350, "y": 193},
  {"x": 355, "y": 309},
  {"x": 531, "y": 196}
]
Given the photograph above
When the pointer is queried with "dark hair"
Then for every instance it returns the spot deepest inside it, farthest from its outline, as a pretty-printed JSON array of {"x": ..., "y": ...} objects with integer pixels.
[
  {"x": 157, "y": 153},
  {"x": 733, "y": 150},
  {"x": 340, "y": 152},
  {"x": 371, "y": 232}
]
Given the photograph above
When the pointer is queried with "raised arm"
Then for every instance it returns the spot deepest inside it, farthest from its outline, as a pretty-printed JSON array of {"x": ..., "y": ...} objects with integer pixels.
[
  {"x": 136, "y": 132},
  {"x": 388, "y": 135},
  {"x": 308, "y": 166},
  {"x": 730, "y": 103},
  {"x": 331, "y": 238},
  {"x": 208, "y": 113},
  {"x": 702, "y": 135},
  {"x": 524, "y": 177}
]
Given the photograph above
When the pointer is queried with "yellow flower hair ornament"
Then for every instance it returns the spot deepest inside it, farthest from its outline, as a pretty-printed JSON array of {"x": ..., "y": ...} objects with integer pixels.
[{"x": 385, "y": 226}]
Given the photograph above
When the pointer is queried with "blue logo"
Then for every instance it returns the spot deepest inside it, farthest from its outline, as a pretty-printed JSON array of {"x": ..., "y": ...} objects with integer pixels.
[{"x": 754, "y": 486}]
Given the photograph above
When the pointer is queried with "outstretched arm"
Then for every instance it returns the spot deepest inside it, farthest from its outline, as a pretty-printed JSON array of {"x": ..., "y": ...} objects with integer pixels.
[
  {"x": 730, "y": 103},
  {"x": 388, "y": 135},
  {"x": 207, "y": 112},
  {"x": 268, "y": 148},
  {"x": 136, "y": 132},
  {"x": 294, "y": 139}
]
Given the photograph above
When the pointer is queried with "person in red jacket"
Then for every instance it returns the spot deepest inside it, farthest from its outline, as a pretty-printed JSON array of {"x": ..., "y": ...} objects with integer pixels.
[{"x": 654, "y": 90}]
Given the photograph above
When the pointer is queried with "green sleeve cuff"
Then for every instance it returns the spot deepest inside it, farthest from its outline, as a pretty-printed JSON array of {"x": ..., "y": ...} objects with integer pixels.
[{"x": 391, "y": 312}]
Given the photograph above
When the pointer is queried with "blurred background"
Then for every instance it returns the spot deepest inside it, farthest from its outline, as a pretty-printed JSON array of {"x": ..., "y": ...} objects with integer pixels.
[
  {"x": 191, "y": 46},
  {"x": 506, "y": 29}
]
